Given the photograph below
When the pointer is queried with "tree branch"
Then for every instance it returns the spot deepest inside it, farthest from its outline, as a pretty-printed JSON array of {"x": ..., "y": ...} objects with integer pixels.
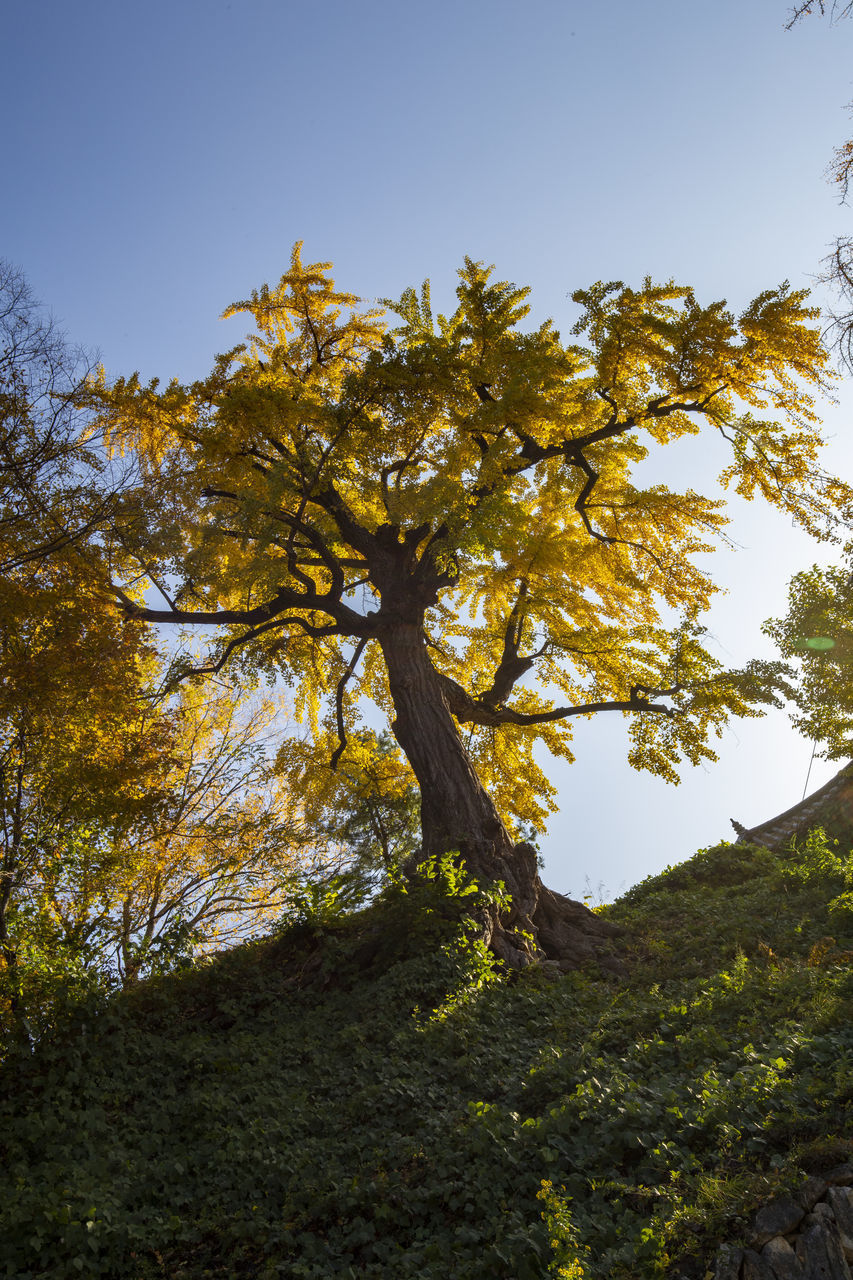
[
  {"x": 347, "y": 621},
  {"x": 837, "y": 11},
  {"x": 238, "y": 641},
  {"x": 511, "y": 666},
  {"x": 352, "y": 532},
  {"x": 470, "y": 710},
  {"x": 339, "y": 705}
]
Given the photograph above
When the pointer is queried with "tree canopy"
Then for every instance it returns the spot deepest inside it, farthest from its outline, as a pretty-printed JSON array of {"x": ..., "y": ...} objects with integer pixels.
[{"x": 448, "y": 518}]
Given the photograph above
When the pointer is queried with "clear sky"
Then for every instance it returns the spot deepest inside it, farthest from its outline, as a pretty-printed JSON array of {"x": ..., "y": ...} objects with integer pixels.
[{"x": 162, "y": 158}]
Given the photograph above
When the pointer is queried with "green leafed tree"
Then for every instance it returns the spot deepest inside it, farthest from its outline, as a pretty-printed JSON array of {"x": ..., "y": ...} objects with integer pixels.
[
  {"x": 444, "y": 515},
  {"x": 816, "y": 637}
]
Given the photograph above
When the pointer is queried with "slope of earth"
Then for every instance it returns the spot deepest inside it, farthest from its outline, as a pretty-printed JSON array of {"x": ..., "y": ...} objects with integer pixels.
[{"x": 368, "y": 1098}]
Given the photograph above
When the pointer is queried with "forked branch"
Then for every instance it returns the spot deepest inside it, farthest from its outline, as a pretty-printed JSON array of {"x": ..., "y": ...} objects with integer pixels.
[{"x": 339, "y": 705}]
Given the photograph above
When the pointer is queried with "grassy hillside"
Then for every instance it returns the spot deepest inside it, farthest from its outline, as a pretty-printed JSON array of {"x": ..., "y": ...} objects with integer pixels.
[{"x": 369, "y": 1098}]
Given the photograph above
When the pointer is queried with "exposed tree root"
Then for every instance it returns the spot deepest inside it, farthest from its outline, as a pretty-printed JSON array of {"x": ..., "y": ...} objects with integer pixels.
[{"x": 541, "y": 925}]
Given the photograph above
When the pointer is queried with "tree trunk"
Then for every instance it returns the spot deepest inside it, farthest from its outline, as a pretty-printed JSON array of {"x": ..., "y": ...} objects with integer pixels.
[
  {"x": 457, "y": 813},
  {"x": 9, "y": 952}
]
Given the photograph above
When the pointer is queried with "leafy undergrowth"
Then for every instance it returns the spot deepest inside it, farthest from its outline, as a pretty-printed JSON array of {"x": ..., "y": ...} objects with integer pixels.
[{"x": 370, "y": 1098}]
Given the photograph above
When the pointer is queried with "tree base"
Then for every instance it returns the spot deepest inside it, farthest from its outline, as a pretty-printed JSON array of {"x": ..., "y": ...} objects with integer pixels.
[
  {"x": 570, "y": 934},
  {"x": 541, "y": 925}
]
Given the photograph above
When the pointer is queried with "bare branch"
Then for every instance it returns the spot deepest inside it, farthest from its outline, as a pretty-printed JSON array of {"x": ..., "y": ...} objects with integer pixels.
[
  {"x": 346, "y": 620},
  {"x": 836, "y": 9},
  {"x": 839, "y": 272}
]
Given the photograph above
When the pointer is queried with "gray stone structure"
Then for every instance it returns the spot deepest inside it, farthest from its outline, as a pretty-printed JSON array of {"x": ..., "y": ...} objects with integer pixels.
[{"x": 804, "y": 1236}]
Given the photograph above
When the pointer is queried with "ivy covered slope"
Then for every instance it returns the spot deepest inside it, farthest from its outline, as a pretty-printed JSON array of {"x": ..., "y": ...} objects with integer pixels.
[{"x": 350, "y": 1099}]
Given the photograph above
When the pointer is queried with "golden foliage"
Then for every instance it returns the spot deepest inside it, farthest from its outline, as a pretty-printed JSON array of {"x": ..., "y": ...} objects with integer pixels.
[{"x": 332, "y": 475}]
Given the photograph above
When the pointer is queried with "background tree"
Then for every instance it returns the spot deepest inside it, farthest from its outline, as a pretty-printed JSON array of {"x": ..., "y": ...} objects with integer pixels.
[
  {"x": 133, "y": 827},
  {"x": 73, "y": 754},
  {"x": 228, "y": 851},
  {"x": 446, "y": 518},
  {"x": 816, "y": 637},
  {"x": 56, "y": 482},
  {"x": 134, "y": 830},
  {"x": 221, "y": 853},
  {"x": 839, "y": 263},
  {"x": 839, "y": 266},
  {"x": 367, "y": 808}
]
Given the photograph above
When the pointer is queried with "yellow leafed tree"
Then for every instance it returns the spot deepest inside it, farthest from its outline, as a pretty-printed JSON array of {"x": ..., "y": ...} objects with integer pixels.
[
  {"x": 222, "y": 852},
  {"x": 133, "y": 829},
  {"x": 132, "y": 826},
  {"x": 444, "y": 517}
]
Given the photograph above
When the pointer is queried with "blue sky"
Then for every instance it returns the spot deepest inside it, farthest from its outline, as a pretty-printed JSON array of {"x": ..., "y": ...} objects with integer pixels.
[{"x": 161, "y": 160}]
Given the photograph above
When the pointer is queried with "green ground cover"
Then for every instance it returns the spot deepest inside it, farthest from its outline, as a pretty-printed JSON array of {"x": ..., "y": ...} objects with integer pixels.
[{"x": 366, "y": 1096}]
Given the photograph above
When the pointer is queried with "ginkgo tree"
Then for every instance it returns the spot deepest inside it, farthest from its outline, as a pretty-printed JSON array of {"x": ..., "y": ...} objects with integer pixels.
[{"x": 442, "y": 516}]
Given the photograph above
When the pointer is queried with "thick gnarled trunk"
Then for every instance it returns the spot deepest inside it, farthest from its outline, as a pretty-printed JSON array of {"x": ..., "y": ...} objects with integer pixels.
[{"x": 458, "y": 813}]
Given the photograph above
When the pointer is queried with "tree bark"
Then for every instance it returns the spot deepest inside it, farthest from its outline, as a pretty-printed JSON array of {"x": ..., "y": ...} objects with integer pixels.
[{"x": 457, "y": 813}]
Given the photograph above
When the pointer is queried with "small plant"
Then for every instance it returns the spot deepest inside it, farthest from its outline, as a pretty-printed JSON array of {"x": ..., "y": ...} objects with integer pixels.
[
  {"x": 562, "y": 1233},
  {"x": 816, "y": 859}
]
